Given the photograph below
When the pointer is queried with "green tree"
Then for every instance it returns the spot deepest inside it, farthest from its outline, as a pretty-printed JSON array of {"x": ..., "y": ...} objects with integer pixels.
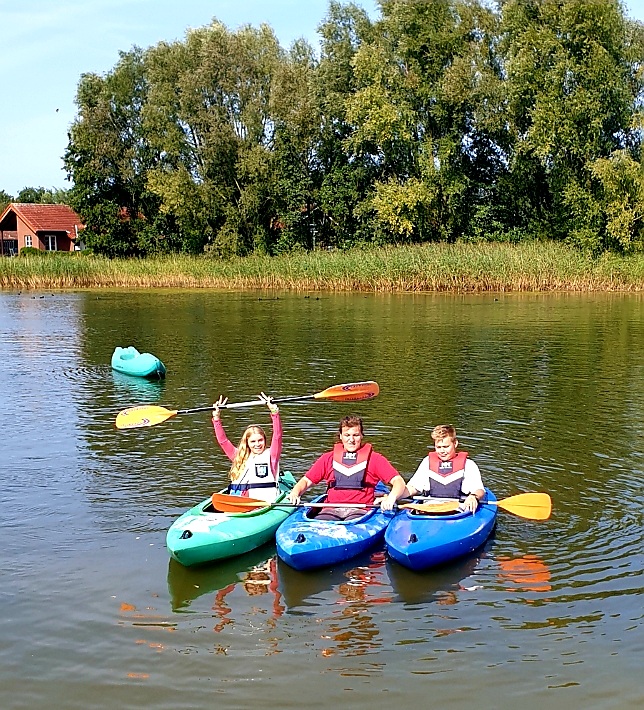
[
  {"x": 208, "y": 117},
  {"x": 108, "y": 158},
  {"x": 344, "y": 178},
  {"x": 5, "y": 199},
  {"x": 574, "y": 82},
  {"x": 426, "y": 115},
  {"x": 621, "y": 199},
  {"x": 295, "y": 163},
  {"x": 43, "y": 196}
]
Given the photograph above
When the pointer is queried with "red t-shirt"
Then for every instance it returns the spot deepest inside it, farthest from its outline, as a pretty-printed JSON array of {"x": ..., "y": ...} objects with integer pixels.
[{"x": 378, "y": 469}]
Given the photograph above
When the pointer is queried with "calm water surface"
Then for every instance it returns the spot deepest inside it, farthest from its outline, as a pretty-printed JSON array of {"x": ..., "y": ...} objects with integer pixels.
[{"x": 547, "y": 393}]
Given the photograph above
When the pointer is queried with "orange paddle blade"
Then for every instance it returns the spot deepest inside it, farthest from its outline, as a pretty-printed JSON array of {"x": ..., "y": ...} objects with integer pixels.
[
  {"x": 351, "y": 392},
  {"x": 225, "y": 503},
  {"x": 142, "y": 416}
]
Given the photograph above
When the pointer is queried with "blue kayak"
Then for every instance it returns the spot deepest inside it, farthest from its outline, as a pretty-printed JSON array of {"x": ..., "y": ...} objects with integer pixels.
[
  {"x": 306, "y": 543},
  {"x": 130, "y": 361},
  {"x": 422, "y": 540}
]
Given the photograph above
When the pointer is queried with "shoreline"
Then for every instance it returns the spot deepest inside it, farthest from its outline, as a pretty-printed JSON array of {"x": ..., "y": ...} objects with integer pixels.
[{"x": 428, "y": 268}]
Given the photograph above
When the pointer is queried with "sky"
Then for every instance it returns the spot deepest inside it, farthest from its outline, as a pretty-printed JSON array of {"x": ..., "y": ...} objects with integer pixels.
[{"x": 47, "y": 45}]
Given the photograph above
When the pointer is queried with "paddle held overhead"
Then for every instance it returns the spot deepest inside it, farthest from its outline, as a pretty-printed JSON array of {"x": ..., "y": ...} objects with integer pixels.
[{"x": 146, "y": 415}]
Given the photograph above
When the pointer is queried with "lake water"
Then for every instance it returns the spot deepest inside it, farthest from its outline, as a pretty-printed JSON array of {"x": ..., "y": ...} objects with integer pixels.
[{"x": 546, "y": 391}]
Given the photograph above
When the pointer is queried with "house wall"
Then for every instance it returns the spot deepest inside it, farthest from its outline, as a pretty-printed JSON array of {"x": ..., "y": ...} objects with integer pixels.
[{"x": 38, "y": 240}]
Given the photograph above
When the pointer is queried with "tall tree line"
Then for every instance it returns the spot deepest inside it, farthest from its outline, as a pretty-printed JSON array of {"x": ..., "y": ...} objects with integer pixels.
[{"x": 441, "y": 120}]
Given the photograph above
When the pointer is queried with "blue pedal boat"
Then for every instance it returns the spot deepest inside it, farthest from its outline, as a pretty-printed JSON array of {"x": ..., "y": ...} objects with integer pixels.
[{"x": 130, "y": 361}]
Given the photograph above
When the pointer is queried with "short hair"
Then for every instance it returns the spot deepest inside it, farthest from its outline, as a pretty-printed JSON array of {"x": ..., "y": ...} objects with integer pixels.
[
  {"x": 443, "y": 430},
  {"x": 349, "y": 421}
]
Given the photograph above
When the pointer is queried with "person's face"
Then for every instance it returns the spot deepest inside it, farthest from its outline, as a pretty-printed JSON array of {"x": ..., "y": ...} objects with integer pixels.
[
  {"x": 446, "y": 448},
  {"x": 256, "y": 443},
  {"x": 351, "y": 438}
]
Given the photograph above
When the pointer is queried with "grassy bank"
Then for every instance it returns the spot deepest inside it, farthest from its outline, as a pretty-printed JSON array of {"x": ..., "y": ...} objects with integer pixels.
[{"x": 435, "y": 267}]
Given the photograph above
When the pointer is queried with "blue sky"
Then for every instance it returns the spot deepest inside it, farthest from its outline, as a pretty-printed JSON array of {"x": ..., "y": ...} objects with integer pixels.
[{"x": 48, "y": 44}]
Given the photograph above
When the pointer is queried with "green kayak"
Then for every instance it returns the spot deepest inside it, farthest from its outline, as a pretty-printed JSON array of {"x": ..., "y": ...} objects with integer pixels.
[{"x": 203, "y": 535}]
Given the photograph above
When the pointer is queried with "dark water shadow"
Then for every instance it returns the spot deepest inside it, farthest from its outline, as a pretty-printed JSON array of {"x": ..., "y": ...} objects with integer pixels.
[
  {"x": 437, "y": 583},
  {"x": 186, "y": 584},
  {"x": 137, "y": 390},
  {"x": 362, "y": 578}
]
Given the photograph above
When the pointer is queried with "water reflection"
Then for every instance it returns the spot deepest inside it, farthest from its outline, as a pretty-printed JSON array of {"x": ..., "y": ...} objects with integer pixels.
[
  {"x": 259, "y": 580},
  {"x": 354, "y": 592},
  {"x": 242, "y": 596},
  {"x": 252, "y": 570},
  {"x": 439, "y": 584},
  {"x": 527, "y": 573},
  {"x": 361, "y": 578},
  {"x": 136, "y": 390}
]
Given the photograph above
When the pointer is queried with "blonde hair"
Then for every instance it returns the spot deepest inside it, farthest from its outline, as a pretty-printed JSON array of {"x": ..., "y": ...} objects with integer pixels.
[
  {"x": 443, "y": 430},
  {"x": 243, "y": 451}
]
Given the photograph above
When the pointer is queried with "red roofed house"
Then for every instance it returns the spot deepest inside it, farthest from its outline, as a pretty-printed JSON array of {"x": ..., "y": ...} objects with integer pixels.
[{"x": 46, "y": 227}]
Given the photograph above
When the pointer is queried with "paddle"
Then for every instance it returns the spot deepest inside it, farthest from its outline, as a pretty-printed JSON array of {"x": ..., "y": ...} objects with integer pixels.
[
  {"x": 146, "y": 415},
  {"x": 533, "y": 506},
  {"x": 225, "y": 503}
]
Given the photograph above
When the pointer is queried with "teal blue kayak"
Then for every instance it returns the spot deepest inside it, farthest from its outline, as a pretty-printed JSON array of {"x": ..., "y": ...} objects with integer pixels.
[
  {"x": 203, "y": 535},
  {"x": 130, "y": 361}
]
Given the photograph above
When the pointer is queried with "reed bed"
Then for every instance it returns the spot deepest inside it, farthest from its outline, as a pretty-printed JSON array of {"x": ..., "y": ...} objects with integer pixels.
[{"x": 459, "y": 268}]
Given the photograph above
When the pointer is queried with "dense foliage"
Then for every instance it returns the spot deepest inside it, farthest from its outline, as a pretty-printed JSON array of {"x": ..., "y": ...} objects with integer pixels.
[
  {"x": 38, "y": 195},
  {"x": 442, "y": 120}
]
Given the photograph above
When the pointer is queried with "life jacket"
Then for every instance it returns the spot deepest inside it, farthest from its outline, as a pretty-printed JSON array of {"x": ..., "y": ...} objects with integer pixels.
[
  {"x": 350, "y": 468},
  {"x": 257, "y": 480},
  {"x": 446, "y": 477}
]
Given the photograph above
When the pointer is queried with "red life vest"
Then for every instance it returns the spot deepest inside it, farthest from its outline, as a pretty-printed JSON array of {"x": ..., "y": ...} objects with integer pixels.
[
  {"x": 446, "y": 477},
  {"x": 350, "y": 468}
]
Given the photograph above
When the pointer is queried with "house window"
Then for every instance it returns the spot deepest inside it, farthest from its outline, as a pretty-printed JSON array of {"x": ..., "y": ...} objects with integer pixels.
[
  {"x": 50, "y": 242},
  {"x": 9, "y": 247},
  {"x": 28, "y": 240}
]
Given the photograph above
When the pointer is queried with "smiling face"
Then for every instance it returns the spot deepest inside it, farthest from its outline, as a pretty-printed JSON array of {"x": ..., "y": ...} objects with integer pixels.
[
  {"x": 351, "y": 438},
  {"x": 446, "y": 448},
  {"x": 256, "y": 442}
]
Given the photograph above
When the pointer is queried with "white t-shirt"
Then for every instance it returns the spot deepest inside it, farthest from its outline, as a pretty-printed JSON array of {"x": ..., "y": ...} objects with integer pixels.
[{"x": 471, "y": 482}]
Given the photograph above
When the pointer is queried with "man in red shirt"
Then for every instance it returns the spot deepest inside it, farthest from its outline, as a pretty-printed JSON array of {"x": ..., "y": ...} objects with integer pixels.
[{"x": 351, "y": 470}]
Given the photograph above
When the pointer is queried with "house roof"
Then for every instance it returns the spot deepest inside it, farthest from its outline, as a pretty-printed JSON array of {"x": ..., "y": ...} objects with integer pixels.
[{"x": 45, "y": 218}]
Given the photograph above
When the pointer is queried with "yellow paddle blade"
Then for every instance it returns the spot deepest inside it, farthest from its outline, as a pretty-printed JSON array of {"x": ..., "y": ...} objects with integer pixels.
[
  {"x": 142, "y": 416},
  {"x": 350, "y": 392},
  {"x": 534, "y": 506},
  {"x": 225, "y": 503}
]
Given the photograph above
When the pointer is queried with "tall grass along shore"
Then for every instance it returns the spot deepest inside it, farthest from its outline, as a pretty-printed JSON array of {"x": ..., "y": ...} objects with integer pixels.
[{"x": 458, "y": 268}]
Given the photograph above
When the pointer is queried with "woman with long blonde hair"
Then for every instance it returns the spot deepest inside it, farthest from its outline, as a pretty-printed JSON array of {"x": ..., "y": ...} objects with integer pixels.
[{"x": 255, "y": 468}]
